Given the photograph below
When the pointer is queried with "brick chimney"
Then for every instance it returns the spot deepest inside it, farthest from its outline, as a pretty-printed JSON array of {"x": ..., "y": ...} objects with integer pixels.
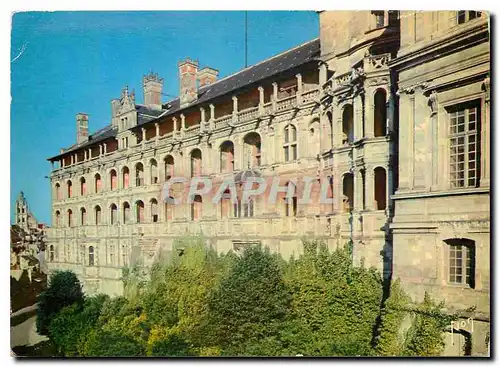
[
  {"x": 188, "y": 69},
  {"x": 207, "y": 76},
  {"x": 82, "y": 128},
  {"x": 152, "y": 85}
]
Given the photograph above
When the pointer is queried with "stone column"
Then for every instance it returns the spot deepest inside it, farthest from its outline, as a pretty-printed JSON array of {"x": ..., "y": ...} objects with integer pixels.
[
  {"x": 337, "y": 192},
  {"x": 323, "y": 120},
  {"x": 275, "y": 95},
  {"x": 85, "y": 156},
  {"x": 100, "y": 150},
  {"x": 358, "y": 189},
  {"x": 337, "y": 127},
  {"x": 212, "y": 112},
  {"x": 485, "y": 137},
  {"x": 90, "y": 154},
  {"x": 369, "y": 189},
  {"x": 202, "y": 114},
  {"x": 323, "y": 74},
  {"x": 358, "y": 117},
  {"x": 143, "y": 137},
  {"x": 105, "y": 145},
  {"x": 157, "y": 127},
  {"x": 390, "y": 112},
  {"x": 261, "y": 101},
  {"x": 235, "y": 109},
  {"x": 72, "y": 159},
  {"x": 389, "y": 187},
  {"x": 299, "y": 88},
  {"x": 183, "y": 124},
  {"x": 174, "y": 120},
  {"x": 370, "y": 114}
]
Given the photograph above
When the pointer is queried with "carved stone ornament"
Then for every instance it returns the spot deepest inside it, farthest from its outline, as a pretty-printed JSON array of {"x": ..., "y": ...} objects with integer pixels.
[{"x": 432, "y": 102}]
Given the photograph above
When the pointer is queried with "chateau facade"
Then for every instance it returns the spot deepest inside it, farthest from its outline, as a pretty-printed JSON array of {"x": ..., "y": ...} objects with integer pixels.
[{"x": 389, "y": 109}]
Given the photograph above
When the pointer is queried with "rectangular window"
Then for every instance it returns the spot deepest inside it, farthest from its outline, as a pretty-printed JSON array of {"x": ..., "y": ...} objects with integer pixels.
[
  {"x": 464, "y": 146},
  {"x": 461, "y": 264}
]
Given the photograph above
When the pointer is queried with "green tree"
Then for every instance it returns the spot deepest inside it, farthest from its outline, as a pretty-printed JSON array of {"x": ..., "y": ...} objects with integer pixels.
[
  {"x": 64, "y": 290},
  {"x": 249, "y": 304},
  {"x": 105, "y": 343}
]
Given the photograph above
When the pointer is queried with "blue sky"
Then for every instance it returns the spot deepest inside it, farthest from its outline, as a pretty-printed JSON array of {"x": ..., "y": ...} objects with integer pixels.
[{"x": 78, "y": 61}]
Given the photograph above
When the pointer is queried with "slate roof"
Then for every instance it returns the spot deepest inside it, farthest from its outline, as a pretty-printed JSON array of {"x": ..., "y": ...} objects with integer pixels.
[{"x": 287, "y": 60}]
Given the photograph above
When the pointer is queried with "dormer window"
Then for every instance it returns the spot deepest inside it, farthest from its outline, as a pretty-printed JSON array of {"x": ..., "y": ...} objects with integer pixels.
[{"x": 379, "y": 18}]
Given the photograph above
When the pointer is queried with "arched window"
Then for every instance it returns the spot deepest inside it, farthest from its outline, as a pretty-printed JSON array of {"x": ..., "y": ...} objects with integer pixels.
[
  {"x": 51, "y": 253},
  {"x": 97, "y": 213},
  {"x": 126, "y": 212},
  {"x": 58, "y": 191},
  {"x": 461, "y": 261},
  {"x": 195, "y": 162},
  {"x": 347, "y": 125},
  {"x": 227, "y": 157},
  {"x": 70, "y": 218},
  {"x": 113, "y": 214},
  {"x": 83, "y": 186},
  {"x": 126, "y": 175},
  {"x": 380, "y": 115},
  {"x": 139, "y": 210},
  {"x": 58, "y": 218},
  {"x": 290, "y": 200},
  {"x": 91, "y": 255},
  {"x": 154, "y": 171},
  {"x": 154, "y": 210},
  {"x": 97, "y": 183},
  {"x": 348, "y": 192},
  {"x": 290, "y": 145},
  {"x": 113, "y": 179},
  {"x": 70, "y": 188},
  {"x": 380, "y": 188},
  {"x": 139, "y": 174},
  {"x": 252, "y": 150},
  {"x": 169, "y": 210},
  {"x": 196, "y": 208},
  {"x": 169, "y": 167},
  {"x": 83, "y": 216}
]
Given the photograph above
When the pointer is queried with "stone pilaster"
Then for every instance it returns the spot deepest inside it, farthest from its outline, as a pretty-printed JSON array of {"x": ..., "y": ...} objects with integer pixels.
[
  {"x": 370, "y": 114},
  {"x": 358, "y": 190},
  {"x": 485, "y": 137},
  {"x": 369, "y": 189},
  {"x": 358, "y": 117}
]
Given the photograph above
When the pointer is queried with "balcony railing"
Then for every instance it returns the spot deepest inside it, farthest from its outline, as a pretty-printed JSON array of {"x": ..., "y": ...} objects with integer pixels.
[{"x": 248, "y": 114}]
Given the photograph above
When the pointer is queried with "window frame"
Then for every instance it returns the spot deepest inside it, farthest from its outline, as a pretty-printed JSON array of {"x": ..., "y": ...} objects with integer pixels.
[
  {"x": 466, "y": 271},
  {"x": 290, "y": 143}
]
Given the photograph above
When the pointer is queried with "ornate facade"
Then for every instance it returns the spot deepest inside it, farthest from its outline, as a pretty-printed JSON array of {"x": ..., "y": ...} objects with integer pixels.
[{"x": 368, "y": 107}]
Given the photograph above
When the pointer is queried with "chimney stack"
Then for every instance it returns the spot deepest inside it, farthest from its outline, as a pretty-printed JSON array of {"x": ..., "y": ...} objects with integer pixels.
[
  {"x": 207, "y": 76},
  {"x": 188, "y": 69},
  {"x": 82, "y": 128},
  {"x": 152, "y": 85}
]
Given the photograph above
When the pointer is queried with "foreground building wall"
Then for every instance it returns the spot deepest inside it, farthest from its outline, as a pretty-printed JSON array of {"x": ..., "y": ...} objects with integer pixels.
[{"x": 441, "y": 226}]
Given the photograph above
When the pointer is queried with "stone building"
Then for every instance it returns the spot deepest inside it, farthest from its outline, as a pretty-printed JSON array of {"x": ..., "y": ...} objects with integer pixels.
[{"x": 389, "y": 109}]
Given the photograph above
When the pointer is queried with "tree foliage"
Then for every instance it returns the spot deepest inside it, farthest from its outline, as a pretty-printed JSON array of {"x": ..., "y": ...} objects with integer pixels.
[
  {"x": 197, "y": 302},
  {"x": 64, "y": 290}
]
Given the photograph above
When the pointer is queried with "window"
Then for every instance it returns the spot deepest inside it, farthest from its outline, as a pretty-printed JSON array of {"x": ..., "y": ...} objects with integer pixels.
[
  {"x": 252, "y": 150},
  {"x": 348, "y": 192},
  {"x": 196, "y": 208},
  {"x": 124, "y": 255},
  {"x": 347, "y": 125},
  {"x": 380, "y": 115},
  {"x": 113, "y": 215},
  {"x": 70, "y": 189},
  {"x": 196, "y": 163},
  {"x": 97, "y": 212},
  {"x": 83, "y": 216},
  {"x": 169, "y": 210},
  {"x": 113, "y": 178},
  {"x": 154, "y": 210},
  {"x": 139, "y": 174},
  {"x": 126, "y": 174},
  {"x": 225, "y": 204},
  {"x": 379, "y": 18},
  {"x": 70, "y": 218},
  {"x": 290, "y": 145},
  {"x": 466, "y": 15},
  {"x": 91, "y": 255},
  {"x": 154, "y": 171},
  {"x": 461, "y": 261},
  {"x": 83, "y": 186},
  {"x": 58, "y": 218},
  {"x": 97, "y": 185},
  {"x": 380, "y": 188},
  {"x": 126, "y": 212},
  {"x": 227, "y": 157},
  {"x": 58, "y": 191},
  {"x": 51, "y": 252},
  {"x": 169, "y": 167},
  {"x": 464, "y": 146},
  {"x": 139, "y": 210},
  {"x": 111, "y": 255}
]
